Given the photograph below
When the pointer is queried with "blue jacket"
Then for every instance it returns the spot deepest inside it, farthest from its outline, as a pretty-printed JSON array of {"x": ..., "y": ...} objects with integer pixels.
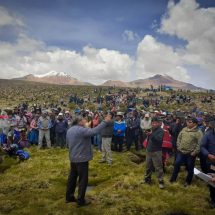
[
  {"x": 3, "y": 138},
  {"x": 40, "y": 122},
  {"x": 208, "y": 143},
  {"x": 119, "y": 125}
]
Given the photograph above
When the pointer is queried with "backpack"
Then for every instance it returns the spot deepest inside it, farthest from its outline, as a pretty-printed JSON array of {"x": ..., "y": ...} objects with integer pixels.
[{"x": 23, "y": 155}]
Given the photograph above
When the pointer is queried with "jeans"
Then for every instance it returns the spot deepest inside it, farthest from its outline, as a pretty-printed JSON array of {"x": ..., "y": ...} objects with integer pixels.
[
  {"x": 78, "y": 171},
  {"x": 97, "y": 141},
  {"x": 189, "y": 162}
]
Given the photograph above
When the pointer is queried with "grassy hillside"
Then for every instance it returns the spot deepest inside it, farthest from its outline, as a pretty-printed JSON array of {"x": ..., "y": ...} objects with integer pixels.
[{"x": 37, "y": 186}]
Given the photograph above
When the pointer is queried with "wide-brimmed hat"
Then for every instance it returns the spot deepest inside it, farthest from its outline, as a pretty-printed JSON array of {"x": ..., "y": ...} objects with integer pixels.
[{"x": 120, "y": 114}]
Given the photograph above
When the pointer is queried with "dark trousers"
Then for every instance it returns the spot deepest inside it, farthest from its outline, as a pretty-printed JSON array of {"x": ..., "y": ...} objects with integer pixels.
[
  {"x": 118, "y": 143},
  {"x": 189, "y": 162},
  {"x": 78, "y": 171},
  {"x": 61, "y": 140},
  {"x": 130, "y": 138},
  {"x": 211, "y": 189}
]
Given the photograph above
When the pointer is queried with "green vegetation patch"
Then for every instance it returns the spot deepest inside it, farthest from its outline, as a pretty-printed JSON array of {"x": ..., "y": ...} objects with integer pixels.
[{"x": 38, "y": 185}]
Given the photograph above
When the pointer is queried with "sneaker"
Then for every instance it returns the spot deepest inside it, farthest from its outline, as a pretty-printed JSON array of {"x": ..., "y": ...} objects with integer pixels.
[
  {"x": 212, "y": 204},
  {"x": 72, "y": 199},
  {"x": 149, "y": 182},
  {"x": 172, "y": 181},
  {"x": 83, "y": 203},
  {"x": 102, "y": 161},
  {"x": 186, "y": 184},
  {"x": 161, "y": 185},
  {"x": 110, "y": 162}
]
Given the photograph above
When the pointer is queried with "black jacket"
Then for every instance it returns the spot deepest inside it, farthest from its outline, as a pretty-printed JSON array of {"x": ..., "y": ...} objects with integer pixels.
[{"x": 155, "y": 140}]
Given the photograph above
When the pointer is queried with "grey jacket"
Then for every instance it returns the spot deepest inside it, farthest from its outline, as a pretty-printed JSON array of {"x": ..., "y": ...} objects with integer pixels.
[
  {"x": 108, "y": 130},
  {"x": 78, "y": 139}
]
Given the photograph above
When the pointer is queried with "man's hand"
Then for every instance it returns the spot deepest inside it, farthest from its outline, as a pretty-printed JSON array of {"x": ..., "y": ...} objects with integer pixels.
[
  {"x": 148, "y": 133},
  {"x": 211, "y": 157},
  {"x": 213, "y": 179},
  {"x": 118, "y": 131},
  {"x": 193, "y": 154}
]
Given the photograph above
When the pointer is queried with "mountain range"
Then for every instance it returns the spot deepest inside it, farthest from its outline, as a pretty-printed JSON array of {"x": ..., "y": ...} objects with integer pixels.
[
  {"x": 65, "y": 79},
  {"x": 53, "y": 77}
]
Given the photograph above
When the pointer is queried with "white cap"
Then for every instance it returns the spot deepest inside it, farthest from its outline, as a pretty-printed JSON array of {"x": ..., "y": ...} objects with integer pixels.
[
  {"x": 119, "y": 114},
  {"x": 147, "y": 115},
  {"x": 60, "y": 114}
]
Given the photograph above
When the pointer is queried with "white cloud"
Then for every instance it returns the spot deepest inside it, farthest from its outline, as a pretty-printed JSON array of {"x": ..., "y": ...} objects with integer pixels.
[
  {"x": 128, "y": 35},
  {"x": 157, "y": 58},
  {"x": 185, "y": 20},
  {"x": 7, "y": 19},
  {"x": 196, "y": 26},
  {"x": 30, "y": 56}
]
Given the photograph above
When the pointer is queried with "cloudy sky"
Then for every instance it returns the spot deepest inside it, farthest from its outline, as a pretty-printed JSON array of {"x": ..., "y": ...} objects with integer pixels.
[{"x": 95, "y": 40}]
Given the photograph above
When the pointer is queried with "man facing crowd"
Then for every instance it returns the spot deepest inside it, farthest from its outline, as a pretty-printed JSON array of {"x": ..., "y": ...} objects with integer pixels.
[{"x": 78, "y": 139}]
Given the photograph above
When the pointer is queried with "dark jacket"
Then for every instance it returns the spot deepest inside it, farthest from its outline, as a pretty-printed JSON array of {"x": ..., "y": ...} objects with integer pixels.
[
  {"x": 61, "y": 126},
  {"x": 155, "y": 140},
  {"x": 108, "y": 131},
  {"x": 78, "y": 139},
  {"x": 208, "y": 144}
]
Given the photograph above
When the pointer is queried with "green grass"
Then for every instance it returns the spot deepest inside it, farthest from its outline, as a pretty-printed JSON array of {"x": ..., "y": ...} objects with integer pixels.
[{"x": 38, "y": 185}]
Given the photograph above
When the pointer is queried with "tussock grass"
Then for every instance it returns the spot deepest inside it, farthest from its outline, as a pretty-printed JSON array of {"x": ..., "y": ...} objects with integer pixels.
[{"x": 38, "y": 185}]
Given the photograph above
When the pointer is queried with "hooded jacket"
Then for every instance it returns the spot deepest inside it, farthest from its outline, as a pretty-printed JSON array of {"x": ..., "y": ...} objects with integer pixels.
[{"x": 189, "y": 140}]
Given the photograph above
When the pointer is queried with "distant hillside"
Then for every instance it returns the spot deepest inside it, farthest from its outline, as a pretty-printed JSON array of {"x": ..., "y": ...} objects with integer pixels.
[
  {"x": 155, "y": 81},
  {"x": 112, "y": 83},
  {"x": 60, "y": 78}
]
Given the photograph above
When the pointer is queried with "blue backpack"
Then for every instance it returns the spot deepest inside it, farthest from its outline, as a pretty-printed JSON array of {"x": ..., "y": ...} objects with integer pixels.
[{"x": 23, "y": 155}]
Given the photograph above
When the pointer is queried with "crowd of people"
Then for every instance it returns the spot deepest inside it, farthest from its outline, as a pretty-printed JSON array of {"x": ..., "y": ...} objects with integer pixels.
[{"x": 185, "y": 136}]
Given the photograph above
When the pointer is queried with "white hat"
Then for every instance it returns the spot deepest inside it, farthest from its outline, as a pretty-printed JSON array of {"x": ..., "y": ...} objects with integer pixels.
[
  {"x": 119, "y": 114},
  {"x": 60, "y": 114},
  {"x": 146, "y": 115},
  {"x": 67, "y": 111}
]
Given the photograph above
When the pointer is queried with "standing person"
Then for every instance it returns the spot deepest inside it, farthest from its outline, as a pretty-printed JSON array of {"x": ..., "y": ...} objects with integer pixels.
[
  {"x": 61, "y": 127},
  {"x": 208, "y": 152},
  {"x": 107, "y": 134},
  {"x": 53, "y": 116},
  {"x": 145, "y": 124},
  {"x": 80, "y": 153},
  {"x": 44, "y": 125},
  {"x": 34, "y": 132},
  {"x": 188, "y": 145},
  {"x": 97, "y": 138},
  {"x": 174, "y": 129},
  {"x": 154, "y": 152},
  {"x": 132, "y": 130},
  {"x": 119, "y": 132}
]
